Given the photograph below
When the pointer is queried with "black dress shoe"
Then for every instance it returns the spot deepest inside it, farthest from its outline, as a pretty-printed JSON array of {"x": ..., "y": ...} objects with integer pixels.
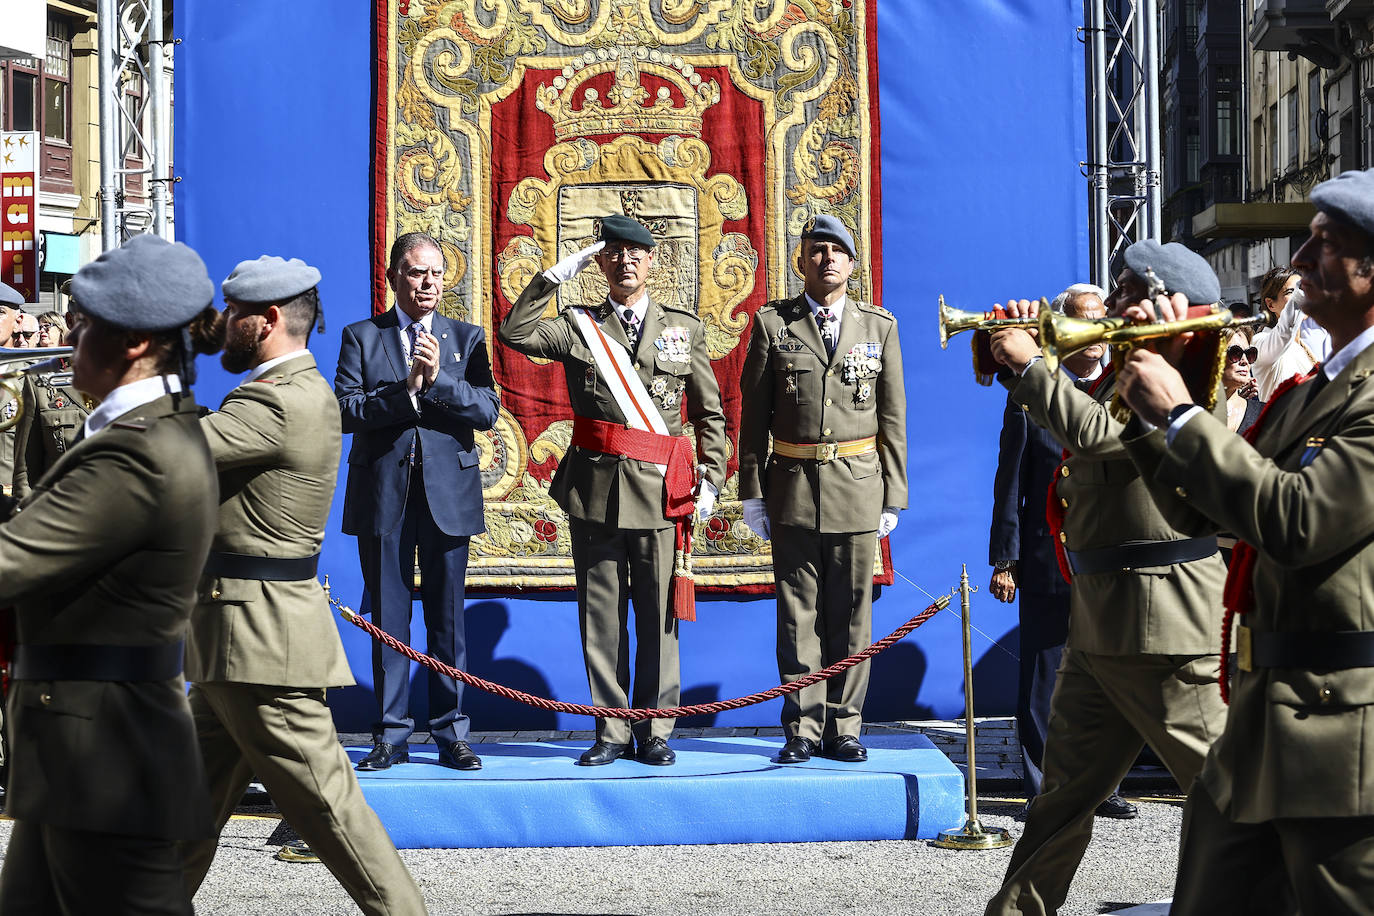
[
  {"x": 844, "y": 748},
  {"x": 796, "y": 750},
  {"x": 1117, "y": 807},
  {"x": 383, "y": 755},
  {"x": 656, "y": 753},
  {"x": 604, "y": 752},
  {"x": 457, "y": 755}
]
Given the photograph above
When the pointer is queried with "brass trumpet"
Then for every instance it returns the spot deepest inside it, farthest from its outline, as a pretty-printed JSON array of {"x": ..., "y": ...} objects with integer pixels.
[
  {"x": 11, "y": 380},
  {"x": 1061, "y": 335},
  {"x": 954, "y": 321}
]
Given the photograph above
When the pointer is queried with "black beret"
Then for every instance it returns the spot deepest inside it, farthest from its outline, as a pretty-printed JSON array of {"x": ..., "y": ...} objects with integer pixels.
[
  {"x": 1349, "y": 197},
  {"x": 146, "y": 284},
  {"x": 269, "y": 279},
  {"x": 9, "y": 295},
  {"x": 624, "y": 229},
  {"x": 1178, "y": 267},
  {"x": 829, "y": 229}
]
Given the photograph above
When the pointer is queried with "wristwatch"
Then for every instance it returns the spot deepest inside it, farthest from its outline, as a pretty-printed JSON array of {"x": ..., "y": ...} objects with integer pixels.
[
  {"x": 1003, "y": 564},
  {"x": 1177, "y": 411}
]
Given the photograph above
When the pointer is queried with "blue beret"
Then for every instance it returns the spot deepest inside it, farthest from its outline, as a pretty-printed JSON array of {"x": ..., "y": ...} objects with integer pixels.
[
  {"x": 624, "y": 229},
  {"x": 269, "y": 279},
  {"x": 146, "y": 284},
  {"x": 829, "y": 228},
  {"x": 9, "y": 295},
  {"x": 1349, "y": 197},
  {"x": 1178, "y": 267}
]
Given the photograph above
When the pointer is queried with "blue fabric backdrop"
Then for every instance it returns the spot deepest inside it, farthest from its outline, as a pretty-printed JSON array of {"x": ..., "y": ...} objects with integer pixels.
[{"x": 982, "y": 134}]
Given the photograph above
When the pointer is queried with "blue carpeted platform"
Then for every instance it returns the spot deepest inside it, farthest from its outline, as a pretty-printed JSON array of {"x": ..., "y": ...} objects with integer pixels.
[{"x": 722, "y": 790}]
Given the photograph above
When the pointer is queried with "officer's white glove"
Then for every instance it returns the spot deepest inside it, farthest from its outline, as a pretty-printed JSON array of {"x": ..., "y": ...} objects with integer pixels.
[
  {"x": 573, "y": 264},
  {"x": 888, "y": 522},
  {"x": 705, "y": 494},
  {"x": 756, "y": 517}
]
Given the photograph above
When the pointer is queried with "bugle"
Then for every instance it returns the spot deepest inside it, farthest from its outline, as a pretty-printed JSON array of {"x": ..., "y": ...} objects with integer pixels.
[
  {"x": 1062, "y": 335},
  {"x": 11, "y": 380},
  {"x": 954, "y": 321}
]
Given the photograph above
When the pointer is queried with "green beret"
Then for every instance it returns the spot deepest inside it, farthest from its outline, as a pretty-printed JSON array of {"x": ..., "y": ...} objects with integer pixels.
[{"x": 624, "y": 229}]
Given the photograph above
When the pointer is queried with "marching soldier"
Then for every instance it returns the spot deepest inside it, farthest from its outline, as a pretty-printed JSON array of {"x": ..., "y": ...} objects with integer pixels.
[
  {"x": 101, "y": 565},
  {"x": 824, "y": 377},
  {"x": 1144, "y": 604},
  {"x": 50, "y": 417},
  {"x": 1288, "y": 788},
  {"x": 263, "y": 646},
  {"x": 629, "y": 362}
]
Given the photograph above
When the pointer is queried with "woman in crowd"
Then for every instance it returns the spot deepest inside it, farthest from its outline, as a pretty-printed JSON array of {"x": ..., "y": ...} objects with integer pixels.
[
  {"x": 1295, "y": 344},
  {"x": 1243, "y": 404}
]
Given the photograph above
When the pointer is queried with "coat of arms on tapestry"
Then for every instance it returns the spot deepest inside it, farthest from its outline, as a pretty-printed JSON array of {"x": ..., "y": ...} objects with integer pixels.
[{"x": 505, "y": 127}]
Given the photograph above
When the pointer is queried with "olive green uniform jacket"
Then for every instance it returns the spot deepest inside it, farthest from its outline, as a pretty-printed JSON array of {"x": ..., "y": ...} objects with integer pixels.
[
  {"x": 794, "y": 390},
  {"x": 107, "y": 550},
  {"x": 52, "y": 416},
  {"x": 1299, "y": 742},
  {"x": 610, "y": 489},
  {"x": 276, "y": 442},
  {"x": 1157, "y": 610}
]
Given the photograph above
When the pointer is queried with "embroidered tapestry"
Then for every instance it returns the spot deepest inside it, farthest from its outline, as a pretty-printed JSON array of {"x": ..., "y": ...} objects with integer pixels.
[{"x": 505, "y": 127}]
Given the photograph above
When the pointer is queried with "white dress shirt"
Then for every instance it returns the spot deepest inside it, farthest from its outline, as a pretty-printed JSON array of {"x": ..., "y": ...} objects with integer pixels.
[{"x": 127, "y": 397}]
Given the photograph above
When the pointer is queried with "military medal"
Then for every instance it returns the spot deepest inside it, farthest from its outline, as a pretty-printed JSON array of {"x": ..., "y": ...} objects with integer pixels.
[
  {"x": 791, "y": 384},
  {"x": 1314, "y": 446},
  {"x": 864, "y": 393},
  {"x": 658, "y": 386},
  {"x": 673, "y": 345},
  {"x": 59, "y": 403}
]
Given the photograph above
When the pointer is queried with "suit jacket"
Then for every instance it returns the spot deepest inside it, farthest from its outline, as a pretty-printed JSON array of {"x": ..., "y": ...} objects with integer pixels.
[
  {"x": 370, "y": 384},
  {"x": 107, "y": 550},
  {"x": 1027, "y": 457},
  {"x": 51, "y": 418},
  {"x": 794, "y": 390},
  {"x": 276, "y": 444},
  {"x": 1299, "y": 742},
  {"x": 613, "y": 489},
  {"x": 1161, "y": 610}
]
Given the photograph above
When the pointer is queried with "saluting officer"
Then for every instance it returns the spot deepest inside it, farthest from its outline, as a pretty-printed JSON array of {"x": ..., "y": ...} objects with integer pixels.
[
  {"x": 623, "y": 544},
  {"x": 1288, "y": 788},
  {"x": 263, "y": 646},
  {"x": 824, "y": 377},
  {"x": 101, "y": 565},
  {"x": 1144, "y": 603}
]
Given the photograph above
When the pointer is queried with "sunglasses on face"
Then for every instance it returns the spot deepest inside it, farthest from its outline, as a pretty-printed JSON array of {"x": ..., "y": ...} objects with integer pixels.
[{"x": 1233, "y": 354}]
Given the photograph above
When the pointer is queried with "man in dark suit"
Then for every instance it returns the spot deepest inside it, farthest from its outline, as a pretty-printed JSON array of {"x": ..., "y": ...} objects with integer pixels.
[
  {"x": 414, "y": 387},
  {"x": 1021, "y": 550}
]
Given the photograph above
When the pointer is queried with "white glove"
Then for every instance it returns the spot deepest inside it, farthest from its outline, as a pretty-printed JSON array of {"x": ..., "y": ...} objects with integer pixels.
[
  {"x": 705, "y": 495},
  {"x": 573, "y": 264},
  {"x": 888, "y": 522},
  {"x": 756, "y": 517}
]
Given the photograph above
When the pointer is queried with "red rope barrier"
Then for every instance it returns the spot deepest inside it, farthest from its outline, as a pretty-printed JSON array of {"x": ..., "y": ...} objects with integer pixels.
[{"x": 604, "y": 712}]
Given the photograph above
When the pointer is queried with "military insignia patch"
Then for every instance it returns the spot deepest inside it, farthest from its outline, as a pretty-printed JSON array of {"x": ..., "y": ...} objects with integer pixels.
[
  {"x": 1314, "y": 446},
  {"x": 674, "y": 345}
]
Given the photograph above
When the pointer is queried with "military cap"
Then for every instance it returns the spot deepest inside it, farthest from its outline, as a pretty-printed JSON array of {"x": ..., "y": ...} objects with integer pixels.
[
  {"x": 9, "y": 295},
  {"x": 269, "y": 279},
  {"x": 624, "y": 229},
  {"x": 146, "y": 284},
  {"x": 1178, "y": 267},
  {"x": 1349, "y": 197},
  {"x": 830, "y": 229}
]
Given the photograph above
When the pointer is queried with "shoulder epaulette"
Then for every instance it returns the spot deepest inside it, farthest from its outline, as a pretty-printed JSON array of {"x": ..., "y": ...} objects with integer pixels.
[
  {"x": 137, "y": 425},
  {"x": 875, "y": 310}
]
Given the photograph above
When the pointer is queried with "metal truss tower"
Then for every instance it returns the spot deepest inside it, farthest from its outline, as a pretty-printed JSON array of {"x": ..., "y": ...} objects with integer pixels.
[
  {"x": 133, "y": 126},
  {"x": 1123, "y": 167}
]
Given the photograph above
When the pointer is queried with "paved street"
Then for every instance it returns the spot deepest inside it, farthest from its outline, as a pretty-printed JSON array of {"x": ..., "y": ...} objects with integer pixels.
[{"x": 1129, "y": 862}]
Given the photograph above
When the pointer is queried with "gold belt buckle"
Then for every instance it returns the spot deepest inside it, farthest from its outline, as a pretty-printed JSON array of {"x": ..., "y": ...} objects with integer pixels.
[
  {"x": 827, "y": 452},
  {"x": 1244, "y": 656}
]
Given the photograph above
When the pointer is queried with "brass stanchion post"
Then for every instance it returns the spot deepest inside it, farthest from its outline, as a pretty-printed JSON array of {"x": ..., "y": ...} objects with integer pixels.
[{"x": 973, "y": 835}]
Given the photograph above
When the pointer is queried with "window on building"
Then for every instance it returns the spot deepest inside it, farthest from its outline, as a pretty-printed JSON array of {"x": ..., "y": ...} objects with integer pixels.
[
  {"x": 36, "y": 95},
  {"x": 1314, "y": 110},
  {"x": 1274, "y": 138},
  {"x": 1290, "y": 104},
  {"x": 1258, "y": 171},
  {"x": 1192, "y": 153},
  {"x": 1228, "y": 122},
  {"x": 1190, "y": 22},
  {"x": 135, "y": 181}
]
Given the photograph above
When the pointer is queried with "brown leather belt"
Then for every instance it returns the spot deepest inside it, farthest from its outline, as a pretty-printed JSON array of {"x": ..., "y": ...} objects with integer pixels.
[{"x": 825, "y": 452}]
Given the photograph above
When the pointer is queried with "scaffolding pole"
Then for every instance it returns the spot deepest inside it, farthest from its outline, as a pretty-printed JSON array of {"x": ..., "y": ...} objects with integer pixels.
[
  {"x": 1123, "y": 167},
  {"x": 133, "y": 125}
]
